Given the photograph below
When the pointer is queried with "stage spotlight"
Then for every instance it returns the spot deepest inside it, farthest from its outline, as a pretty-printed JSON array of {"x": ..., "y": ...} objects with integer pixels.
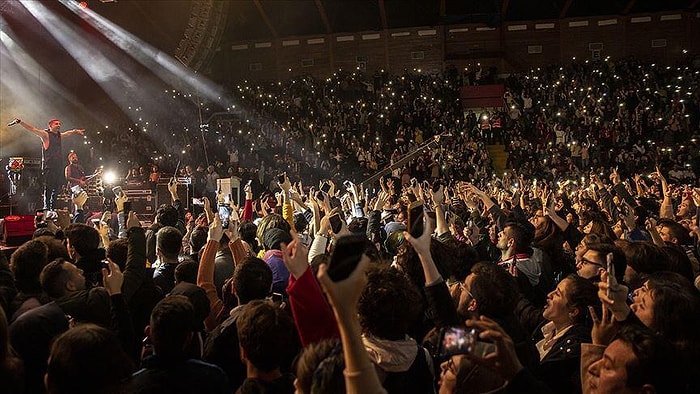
[{"x": 109, "y": 177}]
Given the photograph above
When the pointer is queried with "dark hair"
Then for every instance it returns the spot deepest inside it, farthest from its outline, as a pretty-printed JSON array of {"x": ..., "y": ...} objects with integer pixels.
[
  {"x": 319, "y": 368},
  {"x": 167, "y": 215},
  {"x": 117, "y": 251},
  {"x": 252, "y": 280},
  {"x": 169, "y": 241},
  {"x": 600, "y": 227},
  {"x": 57, "y": 249},
  {"x": 83, "y": 238},
  {"x": 389, "y": 304},
  {"x": 266, "y": 334},
  {"x": 643, "y": 256},
  {"x": 619, "y": 259},
  {"x": 655, "y": 361},
  {"x": 522, "y": 235},
  {"x": 172, "y": 321},
  {"x": 186, "y": 271},
  {"x": 247, "y": 231},
  {"x": 198, "y": 238},
  {"x": 11, "y": 368},
  {"x": 26, "y": 264},
  {"x": 54, "y": 278},
  {"x": 319, "y": 259},
  {"x": 676, "y": 308},
  {"x": 87, "y": 358},
  {"x": 494, "y": 289},
  {"x": 678, "y": 261},
  {"x": 676, "y": 230},
  {"x": 582, "y": 294},
  {"x": 300, "y": 222}
]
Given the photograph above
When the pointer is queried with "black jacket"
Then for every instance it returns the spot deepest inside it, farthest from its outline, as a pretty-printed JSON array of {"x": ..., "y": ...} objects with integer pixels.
[{"x": 560, "y": 368}]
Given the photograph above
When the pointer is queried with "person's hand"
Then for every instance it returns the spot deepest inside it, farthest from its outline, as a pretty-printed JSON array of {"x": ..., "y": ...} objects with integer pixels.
[
  {"x": 106, "y": 217},
  {"x": 343, "y": 295},
  {"x": 80, "y": 131},
  {"x": 63, "y": 220},
  {"x": 613, "y": 296},
  {"x": 324, "y": 225},
  {"x": 438, "y": 196},
  {"x": 80, "y": 199},
  {"x": 503, "y": 360},
  {"x": 287, "y": 184},
  {"x": 133, "y": 220},
  {"x": 604, "y": 330},
  {"x": 422, "y": 243},
  {"x": 696, "y": 196},
  {"x": 216, "y": 229},
  {"x": 650, "y": 224},
  {"x": 112, "y": 279},
  {"x": 248, "y": 192},
  {"x": 103, "y": 229},
  {"x": 331, "y": 191},
  {"x": 628, "y": 217},
  {"x": 51, "y": 226},
  {"x": 119, "y": 201},
  {"x": 172, "y": 187},
  {"x": 381, "y": 201},
  {"x": 295, "y": 257},
  {"x": 207, "y": 209},
  {"x": 232, "y": 229}
]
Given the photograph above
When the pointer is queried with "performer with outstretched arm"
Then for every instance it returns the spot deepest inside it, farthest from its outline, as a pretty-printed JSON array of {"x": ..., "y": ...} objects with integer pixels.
[{"x": 51, "y": 157}]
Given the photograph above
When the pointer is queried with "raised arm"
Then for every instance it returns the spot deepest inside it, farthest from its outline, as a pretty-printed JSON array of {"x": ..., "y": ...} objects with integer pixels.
[
  {"x": 205, "y": 275},
  {"x": 38, "y": 132}
]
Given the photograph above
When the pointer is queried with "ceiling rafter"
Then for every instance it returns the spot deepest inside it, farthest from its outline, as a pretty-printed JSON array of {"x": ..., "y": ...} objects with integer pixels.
[
  {"x": 628, "y": 7},
  {"x": 382, "y": 14},
  {"x": 565, "y": 9},
  {"x": 265, "y": 18},
  {"x": 324, "y": 16}
]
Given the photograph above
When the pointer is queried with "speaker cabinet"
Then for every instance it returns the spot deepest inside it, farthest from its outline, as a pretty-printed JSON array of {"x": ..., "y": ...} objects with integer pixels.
[{"x": 16, "y": 229}]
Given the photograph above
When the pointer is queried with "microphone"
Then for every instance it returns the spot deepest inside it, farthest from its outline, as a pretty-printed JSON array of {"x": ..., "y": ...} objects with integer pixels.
[{"x": 14, "y": 122}]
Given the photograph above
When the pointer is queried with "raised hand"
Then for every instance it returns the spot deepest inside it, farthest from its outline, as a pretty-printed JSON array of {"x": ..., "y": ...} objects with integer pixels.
[
  {"x": 604, "y": 330},
  {"x": 295, "y": 257},
  {"x": 112, "y": 279},
  {"x": 503, "y": 360}
]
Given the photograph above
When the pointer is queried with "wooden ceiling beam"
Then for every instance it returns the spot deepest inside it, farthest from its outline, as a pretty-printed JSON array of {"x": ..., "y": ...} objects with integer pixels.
[
  {"x": 382, "y": 14},
  {"x": 324, "y": 16},
  {"x": 265, "y": 18},
  {"x": 565, "y": 9}
]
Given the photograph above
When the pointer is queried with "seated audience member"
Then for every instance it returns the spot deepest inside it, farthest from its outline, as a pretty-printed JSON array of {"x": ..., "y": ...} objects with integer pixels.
[
  {"x": 26, "y": 264},
  {"x": 83, "y": 243},
  {"x": 267, "y": 337},
  {"x": 169, "y": 245},
  {"x": 87, "y": 359},
  {"x": 388, "y": 306},
  {"x": 169, "y": 369}
]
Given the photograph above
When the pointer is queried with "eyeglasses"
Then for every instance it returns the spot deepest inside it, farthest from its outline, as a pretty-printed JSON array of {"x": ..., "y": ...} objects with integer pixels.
[
  {"x": 462, "y": 287},
  {"x": 586, "y": 261}
]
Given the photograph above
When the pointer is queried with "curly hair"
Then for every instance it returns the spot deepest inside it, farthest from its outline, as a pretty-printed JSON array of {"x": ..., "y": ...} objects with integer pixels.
[
  {"x": 389, "y": 304},
  {"x": 494, "y": 289},
  {"x": 582, "y": 293}
]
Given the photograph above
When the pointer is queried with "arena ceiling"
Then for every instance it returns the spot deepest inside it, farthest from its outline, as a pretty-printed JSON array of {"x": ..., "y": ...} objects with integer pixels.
[{"x": 163, "y": 22}]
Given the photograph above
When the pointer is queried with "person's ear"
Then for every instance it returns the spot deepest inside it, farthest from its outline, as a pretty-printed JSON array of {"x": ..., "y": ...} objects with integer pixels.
[
  {"x": 473, "y": 305},
  {"x": 573, "y": 312},
  {"x": 147, "y": 331}
]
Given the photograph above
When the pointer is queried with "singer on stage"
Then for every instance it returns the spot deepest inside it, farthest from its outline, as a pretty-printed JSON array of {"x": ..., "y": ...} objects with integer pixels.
[{"x": 51, "y": 157}]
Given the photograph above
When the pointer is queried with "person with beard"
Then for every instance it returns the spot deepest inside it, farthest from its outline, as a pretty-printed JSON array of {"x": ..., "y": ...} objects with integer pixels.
[
  {"x": 75, "y": 173},
  {"x": 51, "y": 155}
]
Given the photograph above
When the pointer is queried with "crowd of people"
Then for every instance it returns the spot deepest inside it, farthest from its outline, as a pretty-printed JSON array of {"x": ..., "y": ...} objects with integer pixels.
[{"x": 575, "y": 271}]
